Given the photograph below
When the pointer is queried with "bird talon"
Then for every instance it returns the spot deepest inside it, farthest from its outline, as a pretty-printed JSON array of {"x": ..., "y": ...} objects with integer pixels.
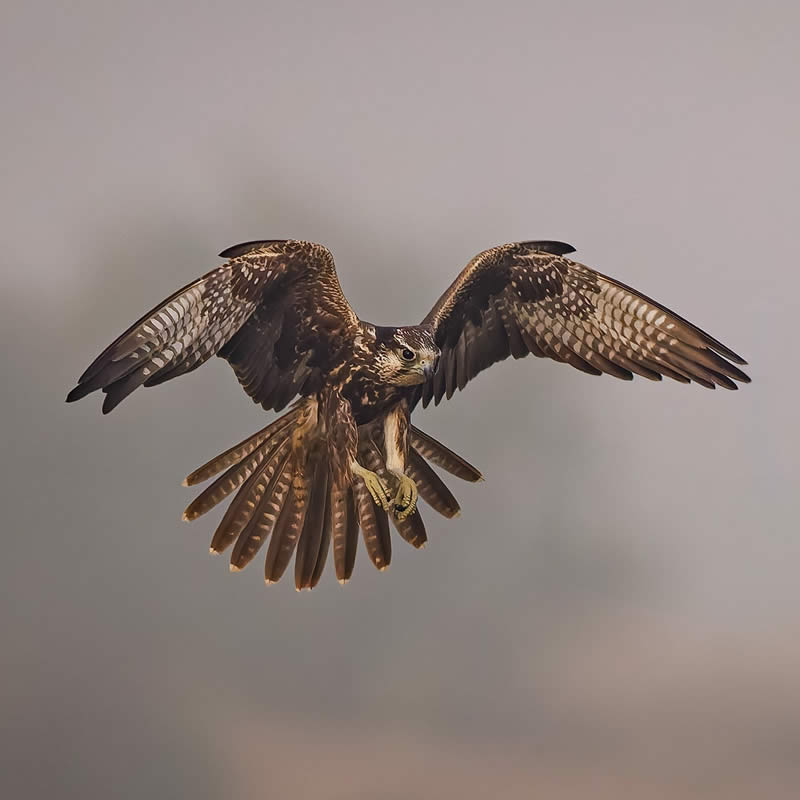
[
  {"x": 378, "y": 490},
  {"x": 405, "y": 498}
]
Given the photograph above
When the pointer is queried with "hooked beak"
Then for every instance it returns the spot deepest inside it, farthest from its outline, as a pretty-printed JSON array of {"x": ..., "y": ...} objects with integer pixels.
[{"x": 430, "y": 367}]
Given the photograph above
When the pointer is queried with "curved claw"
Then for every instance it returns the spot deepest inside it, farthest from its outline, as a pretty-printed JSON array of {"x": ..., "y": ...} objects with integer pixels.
[
  {"x": 405, "y": 499},
  {"x": 378, "y": 490}
]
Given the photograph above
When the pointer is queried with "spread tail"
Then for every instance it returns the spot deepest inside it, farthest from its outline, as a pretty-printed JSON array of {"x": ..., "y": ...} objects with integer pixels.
[{"x": 286, "y": 494}]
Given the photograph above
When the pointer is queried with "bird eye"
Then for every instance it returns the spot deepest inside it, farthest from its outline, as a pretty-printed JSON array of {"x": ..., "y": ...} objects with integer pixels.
[{"x": 408, "y": 355}]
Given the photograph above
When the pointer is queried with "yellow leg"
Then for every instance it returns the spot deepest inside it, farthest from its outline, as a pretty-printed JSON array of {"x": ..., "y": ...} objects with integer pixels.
[{"x": 377, "y": 488}]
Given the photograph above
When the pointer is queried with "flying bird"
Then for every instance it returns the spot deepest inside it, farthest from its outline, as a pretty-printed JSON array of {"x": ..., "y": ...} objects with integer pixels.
[{"x": 345, "y": 457}]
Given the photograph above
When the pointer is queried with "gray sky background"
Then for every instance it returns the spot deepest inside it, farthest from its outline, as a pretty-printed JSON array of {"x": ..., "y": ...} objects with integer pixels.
[{"x": 616, "y": 611}]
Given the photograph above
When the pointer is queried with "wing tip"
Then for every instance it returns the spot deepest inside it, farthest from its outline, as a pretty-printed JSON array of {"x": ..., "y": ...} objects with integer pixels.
[
  {"x": 245, "y": 247},
  {"x": 77, "y": 393},
  {"x": 551, "y": 246},
  {"x": 727, "y": 352}
]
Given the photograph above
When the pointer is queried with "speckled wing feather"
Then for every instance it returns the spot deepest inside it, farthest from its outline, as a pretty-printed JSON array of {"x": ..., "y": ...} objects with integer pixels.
[
  {"x": 526, "y": 297},
  {"x": 274, "y": 310}
]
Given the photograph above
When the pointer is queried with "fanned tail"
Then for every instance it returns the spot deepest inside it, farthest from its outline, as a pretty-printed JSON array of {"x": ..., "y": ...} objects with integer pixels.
[{"x": 285, "y": 493}]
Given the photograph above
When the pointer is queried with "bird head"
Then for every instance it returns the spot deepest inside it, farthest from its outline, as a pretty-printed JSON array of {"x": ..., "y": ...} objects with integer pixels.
[{"x": 407, "y": 356}]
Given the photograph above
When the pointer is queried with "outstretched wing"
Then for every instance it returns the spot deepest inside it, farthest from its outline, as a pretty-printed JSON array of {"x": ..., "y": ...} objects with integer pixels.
[
  {"x": 275, "y": 311},
  {"x": 527, "y": 297}
]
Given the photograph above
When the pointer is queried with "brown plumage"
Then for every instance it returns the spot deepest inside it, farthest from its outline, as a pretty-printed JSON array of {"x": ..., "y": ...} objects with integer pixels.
[
  {"x": 528, "y": 298},
  {"x": 345, "y": 457}
]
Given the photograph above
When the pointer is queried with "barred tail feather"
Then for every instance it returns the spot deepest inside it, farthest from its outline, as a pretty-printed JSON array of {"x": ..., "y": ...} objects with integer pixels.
[
  {"x": 263, "y": 520},
  {"x": 344, "y": 530},
  {"x": 247, "y": 502},
  {"x": 310, "y": 546},
  {"x": 431, "y": 487},
  {"x": 288, "y": 494},
  {"x": 234, "y": 455},
  {"x": 289, "y": 525},
  {"x": 233, "y": 478},
  {"x": 442, "y": 456},
  {"x": 322, "y": 554},
  {"x": 374, "y": 525},
  {"x": 412, "y": 529}
]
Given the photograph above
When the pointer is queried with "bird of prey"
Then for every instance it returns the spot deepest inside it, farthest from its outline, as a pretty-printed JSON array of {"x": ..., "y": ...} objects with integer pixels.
[{"x": 346, "y": 456}]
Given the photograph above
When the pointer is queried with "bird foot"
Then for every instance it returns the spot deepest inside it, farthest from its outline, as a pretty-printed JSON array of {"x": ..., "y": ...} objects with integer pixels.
[
  {"x": 377, "y": 488},
  {"x": 405, "y": 498}
]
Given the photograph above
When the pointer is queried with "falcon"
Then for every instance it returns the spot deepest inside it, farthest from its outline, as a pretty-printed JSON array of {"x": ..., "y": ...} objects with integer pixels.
[{"x": 345, "y": 457}]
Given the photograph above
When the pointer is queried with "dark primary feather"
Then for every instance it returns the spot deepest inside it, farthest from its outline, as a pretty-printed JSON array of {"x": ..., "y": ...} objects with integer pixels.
[
  {"x": 550, "y": 246},
  {"x": 274, "y": 310},
  {"x": 526, "y": 298},
  {"x": 245, "y": 247}
]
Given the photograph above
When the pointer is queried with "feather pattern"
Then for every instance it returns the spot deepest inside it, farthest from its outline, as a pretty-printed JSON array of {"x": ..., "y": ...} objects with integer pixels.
[
  {"x": 412, "y": 529},
  {"x": 443, "y": 456},
  {"x": 262, "y": 522},
  {"x": 264, "y": 311},
  {"x": 234, "y": 455},
  {"x": 247, "y": 502},
  {"x": 324, "y": 546},
  {"x": 431, "y": 487},
  {"x": 525, "y": 298},
  {"x": 276, "y": 312},
  {"x": 374, "y": 521},
  {"x": 236, "y": 475},
  {"x": 343, "y": 516},
  {"x": 374, "y": 526},
  {"x": 311, "y": 538},
  {"x": 288, "y": 527}
]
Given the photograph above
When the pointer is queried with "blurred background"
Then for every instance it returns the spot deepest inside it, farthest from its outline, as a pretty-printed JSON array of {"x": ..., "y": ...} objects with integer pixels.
[{"x": 615, "y": 612}]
